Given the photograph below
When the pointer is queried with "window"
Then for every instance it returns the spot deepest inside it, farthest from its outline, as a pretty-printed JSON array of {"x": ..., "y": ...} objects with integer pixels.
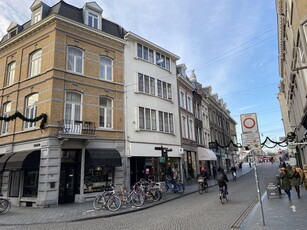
[
  {"x": 169, "y": 91},
  {"x": 75, "y": 60},
  {"x": 35, "y": 63},
  {"x": 30, "y": 183},
  {"x": 31, "y": 109},
  {"x": 191, "y": 129},
  {"x": 14, "y": 183},
  {"x": 159, "y": 86},
  {"x": 146, "y": 84},
  {"x": 166, "y": 122},
  {"x": 301, "y": 52},
  {"x": 6, "y": 113},
  {"x": 145, "y": 53},
  {"x": 182, "y": 99},
  {"x": 184, "y": 126},
  {"x": 93, "y": 20},
  {"x": 198, "y": 111},
  {"x": 106, "y": 68},
  {"x": 147, "y": 119},
  {"x": 105, "y": 112},
  {"x": 37, "y": 16},
  {"x": 10, "y": 73},
  {"x": 162, "y": 61},
  {"x": 189, "y": 104},
  {"x": 73, "y": 108}
]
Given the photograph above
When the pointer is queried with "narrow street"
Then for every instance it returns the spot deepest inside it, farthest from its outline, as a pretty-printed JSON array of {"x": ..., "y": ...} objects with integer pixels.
[{"x": 195, "y": 211}]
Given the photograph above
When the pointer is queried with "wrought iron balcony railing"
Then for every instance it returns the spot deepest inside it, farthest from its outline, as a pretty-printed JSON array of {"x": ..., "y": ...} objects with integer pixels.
[{"x": 77, "y": 127}]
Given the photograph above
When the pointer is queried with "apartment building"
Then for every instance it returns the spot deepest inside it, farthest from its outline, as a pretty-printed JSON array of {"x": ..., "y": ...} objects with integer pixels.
[
  {"x": 292, "y": 48},
  {"x": 222, "y": 129},
  {"x": 62, "y": 105},
  {"x": 152, "y": 126}
]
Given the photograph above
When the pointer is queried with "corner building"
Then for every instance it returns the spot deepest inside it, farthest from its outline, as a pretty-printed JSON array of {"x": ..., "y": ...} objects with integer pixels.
[{"x": 65, "y": 65}]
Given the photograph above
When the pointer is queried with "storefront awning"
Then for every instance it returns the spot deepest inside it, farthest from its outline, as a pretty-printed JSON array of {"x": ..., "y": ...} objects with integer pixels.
[
  {"x": 102, "y": 157},
  {"x": 206, "y": 154},
  {"x": 20, "y": 160}
]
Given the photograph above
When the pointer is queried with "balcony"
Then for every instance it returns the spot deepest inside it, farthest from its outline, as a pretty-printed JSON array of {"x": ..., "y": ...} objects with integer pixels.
[{"x": 77, "y": 127}]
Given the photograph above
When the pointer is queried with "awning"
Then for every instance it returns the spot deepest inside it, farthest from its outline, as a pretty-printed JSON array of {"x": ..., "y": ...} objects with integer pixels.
[
  {"x": 206, "y": 154},
  {"x": 20, "y": 160},
  {"x": 102, "y": 157}
]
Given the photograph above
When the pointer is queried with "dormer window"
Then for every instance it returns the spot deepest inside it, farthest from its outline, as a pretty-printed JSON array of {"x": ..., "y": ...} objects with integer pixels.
[
  {"x": 37, "y": 16},
  {"x": 93, "y": 20},
  {"x": 13, "y": 33}
]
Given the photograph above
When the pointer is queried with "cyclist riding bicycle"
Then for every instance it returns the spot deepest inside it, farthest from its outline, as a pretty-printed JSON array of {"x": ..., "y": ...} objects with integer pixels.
[
  {"x": 204, "y": 174},
  {"x": 222, "y": 179}
]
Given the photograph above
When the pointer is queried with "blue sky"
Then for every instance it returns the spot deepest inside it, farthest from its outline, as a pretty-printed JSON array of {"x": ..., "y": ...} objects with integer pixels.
[{"x": 232, "y": 45}]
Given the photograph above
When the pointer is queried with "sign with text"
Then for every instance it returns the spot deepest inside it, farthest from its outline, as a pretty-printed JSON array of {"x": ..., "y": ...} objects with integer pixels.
[
  {"x": 249, "y": 123},
  {"x": 251, "y": 139}
]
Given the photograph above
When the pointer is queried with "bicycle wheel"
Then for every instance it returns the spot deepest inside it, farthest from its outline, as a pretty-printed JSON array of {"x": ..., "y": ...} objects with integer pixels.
[
  {"x": 137, "y": 200},
  {"x": 98, "y": 202},
  {"x": 221, "y": 198},
  {"x": 180, "y": 188},
  {"x": 5, "y": 206},
  {"x": 200, "y": 188},
  {"x": 114, "y": 203},
  {"x": 157, "y": 195}
]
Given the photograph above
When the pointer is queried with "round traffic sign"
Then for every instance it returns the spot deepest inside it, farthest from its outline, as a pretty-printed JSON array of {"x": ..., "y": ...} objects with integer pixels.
[{"x": 249, "y": 123}]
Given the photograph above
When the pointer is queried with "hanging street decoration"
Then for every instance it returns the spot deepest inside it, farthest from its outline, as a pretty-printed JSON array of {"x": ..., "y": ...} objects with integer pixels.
[{"x": 17, "y": 114}]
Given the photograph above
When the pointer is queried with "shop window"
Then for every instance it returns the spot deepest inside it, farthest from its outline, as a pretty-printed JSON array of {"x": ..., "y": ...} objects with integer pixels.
[
  {"x": 97, "y": 178},
  {"x": 14, "y": 184},
  {"x": 30, "y": 184}
]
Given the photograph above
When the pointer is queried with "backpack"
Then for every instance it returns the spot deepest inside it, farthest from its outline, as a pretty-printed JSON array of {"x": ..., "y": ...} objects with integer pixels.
[{"x": 220, "y": 177}]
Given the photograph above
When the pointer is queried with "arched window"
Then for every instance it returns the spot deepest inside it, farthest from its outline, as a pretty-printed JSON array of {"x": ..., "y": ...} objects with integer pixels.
[
  {"x": 31, "y": 109},
  {"x": 106, "y": 68},
  {"x": 75, "y": 60},
  {"x": 35, "y": 63},
  {"x": 10, "y": 73},
  {"x": 105, "y": 112},
  {"x": 6, "y": 113}
]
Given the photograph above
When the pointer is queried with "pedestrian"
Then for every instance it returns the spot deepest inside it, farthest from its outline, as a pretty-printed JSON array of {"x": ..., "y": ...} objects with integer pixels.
[
  {"x": 296, "y": 181},
  {"x": 250, "y": 164},
  {"x": 214, "y": 171},
  {"x": 285, "y": 181}
]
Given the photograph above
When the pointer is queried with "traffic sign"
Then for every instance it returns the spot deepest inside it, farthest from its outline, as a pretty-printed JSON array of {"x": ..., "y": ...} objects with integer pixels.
[
  {"x": 252, "y": 140},
  {"x": 249, "y": 123}
]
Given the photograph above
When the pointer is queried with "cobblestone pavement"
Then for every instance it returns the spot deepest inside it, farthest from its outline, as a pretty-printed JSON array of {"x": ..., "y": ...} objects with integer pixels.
[{"x": 277, "y": 211}]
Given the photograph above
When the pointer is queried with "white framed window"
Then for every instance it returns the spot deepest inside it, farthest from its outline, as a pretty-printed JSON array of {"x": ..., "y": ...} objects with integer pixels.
[
  {"x": 37, "y": 16},
  {"x": 6, "y": 113},
  {"x": 191, "y": 129},
  {"x": 184, "y": 126},
  {"x": 145, "y": 53},
  {"x": 35, "y": 63},
  {"x": 75, "y": 59},
  {"x": 182, "y": 99},
  {"x": 169, "y": 91},
  {"x": 10, "y": 73},
  {"x": 93, "y": 20},
  {"x": 106, "y": 68},
  {"x": 189, "y": 104},
  {"x": 146, "y": 84},
  {"x": 166, "y": 122},
  {"x": 301, "y": 52},
  {"x": 105, "y": 112},
  {"x": 162, "y": 61},
  {"x": 31, "y": 110},
  {"x": 147, "y": 119},
  {"x": 159, "y": 87},
  {"x": 73, "y": 105},
  {"x": 198, "y": 111}
]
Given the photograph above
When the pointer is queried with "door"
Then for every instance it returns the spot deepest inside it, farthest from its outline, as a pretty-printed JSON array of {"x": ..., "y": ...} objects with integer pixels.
[{"x": 67, "y": 188}]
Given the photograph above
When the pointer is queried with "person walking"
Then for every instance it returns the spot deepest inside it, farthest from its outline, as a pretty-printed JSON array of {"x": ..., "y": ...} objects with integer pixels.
[
  {"x": 296, "y": 181},
  {"x": 285, "y": 177},
  {"x": 214, "y": 172}
]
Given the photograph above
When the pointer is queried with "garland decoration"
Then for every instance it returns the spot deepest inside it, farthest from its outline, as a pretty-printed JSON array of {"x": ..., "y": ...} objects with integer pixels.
[{"x": 17, "y": 114}]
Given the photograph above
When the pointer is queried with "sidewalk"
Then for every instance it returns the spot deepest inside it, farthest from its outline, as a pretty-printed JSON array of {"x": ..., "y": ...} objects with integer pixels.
[
  {"x": 279, "y": 213},
  {"x": 83, "y": 211}
]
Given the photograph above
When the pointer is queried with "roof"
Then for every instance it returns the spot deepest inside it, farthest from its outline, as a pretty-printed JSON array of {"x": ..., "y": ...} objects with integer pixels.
[{"x": 76, "y": 14}]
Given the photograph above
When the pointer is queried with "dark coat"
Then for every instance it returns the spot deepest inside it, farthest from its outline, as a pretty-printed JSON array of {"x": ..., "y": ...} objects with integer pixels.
[{"x": 285, "y": 180}]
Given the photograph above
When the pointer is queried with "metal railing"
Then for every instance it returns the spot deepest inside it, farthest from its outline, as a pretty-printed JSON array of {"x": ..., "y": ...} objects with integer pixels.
[{"x": 77, "y": 127}]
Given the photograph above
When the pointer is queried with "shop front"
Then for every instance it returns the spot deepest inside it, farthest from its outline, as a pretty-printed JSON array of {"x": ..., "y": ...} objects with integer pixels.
[{"x": 207, "y": 159}]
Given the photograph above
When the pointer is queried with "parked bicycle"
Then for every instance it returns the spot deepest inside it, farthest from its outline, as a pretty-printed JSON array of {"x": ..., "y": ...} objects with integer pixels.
[
  {"x": 202, "y": 185},
  {"x": 223, "y": 194},
  {"x": 100, "y": 200},
  {"x": 5, "y": 204},
  {"x": 125, "y": 198},
  {"x": 174, "y": 186}
]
